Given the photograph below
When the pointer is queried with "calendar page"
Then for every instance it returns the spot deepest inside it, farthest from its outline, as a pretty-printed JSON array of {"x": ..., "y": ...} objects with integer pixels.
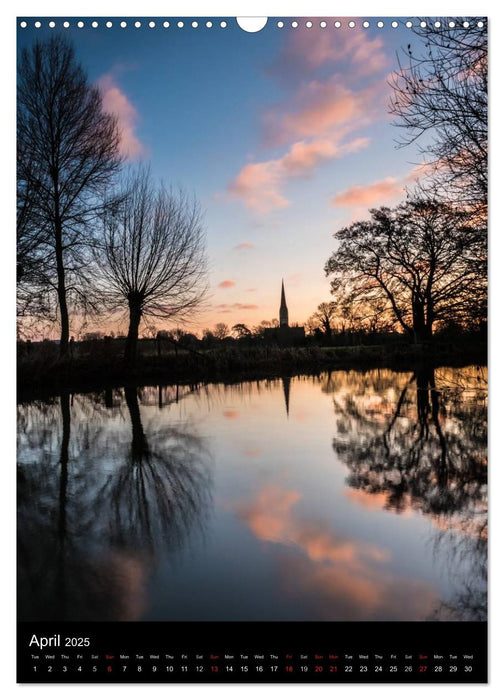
[{"x": 252, "y": 349}]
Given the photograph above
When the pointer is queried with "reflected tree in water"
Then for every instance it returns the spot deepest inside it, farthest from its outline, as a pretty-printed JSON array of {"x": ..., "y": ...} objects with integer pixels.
[
  {"x": 99, "y": 499},
  {"x": 419, "y": 439},
  {"x": 156, "y": 494}
]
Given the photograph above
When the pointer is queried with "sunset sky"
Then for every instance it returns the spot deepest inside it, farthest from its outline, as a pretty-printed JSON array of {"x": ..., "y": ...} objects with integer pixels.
[{"x": 283, "y": 136}]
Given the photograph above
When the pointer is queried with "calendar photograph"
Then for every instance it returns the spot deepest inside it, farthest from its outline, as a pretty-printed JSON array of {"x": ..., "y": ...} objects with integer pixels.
[{"x": 251, "y": 349}]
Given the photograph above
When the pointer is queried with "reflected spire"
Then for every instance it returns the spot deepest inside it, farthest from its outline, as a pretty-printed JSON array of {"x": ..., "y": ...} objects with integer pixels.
[{"x": 286, "y": 389}]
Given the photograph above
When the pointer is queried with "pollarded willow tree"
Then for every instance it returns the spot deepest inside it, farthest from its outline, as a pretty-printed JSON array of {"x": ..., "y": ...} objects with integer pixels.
[
  {"x": 422, "y": 263},
  {"x": 153, "y": 259},
  {"x": 68, "y": 152}
]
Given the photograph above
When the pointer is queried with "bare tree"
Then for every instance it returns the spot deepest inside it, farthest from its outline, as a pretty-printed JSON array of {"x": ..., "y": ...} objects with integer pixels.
[
  {"x": 241, "y": 331},
  {"x": 440, "y": 92},
  {"x": 421, "y": 263},
  {"x": 67, "y": 153},
  {"x": 221, "y": 331},
  {"x": 154, "y": 259},
  {"x": 323, "y": 317}
]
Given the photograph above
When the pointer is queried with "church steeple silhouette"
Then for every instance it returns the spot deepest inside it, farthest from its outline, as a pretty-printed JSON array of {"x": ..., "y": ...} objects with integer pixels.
[{"x": 284, "y": 313}]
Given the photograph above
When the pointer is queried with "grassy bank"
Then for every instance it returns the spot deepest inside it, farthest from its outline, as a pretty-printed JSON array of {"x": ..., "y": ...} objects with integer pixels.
[{"x": 41, "y": 375}]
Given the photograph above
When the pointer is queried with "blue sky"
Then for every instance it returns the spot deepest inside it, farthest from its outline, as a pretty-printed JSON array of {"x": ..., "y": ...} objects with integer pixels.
[{"x": 282, "y": 135}]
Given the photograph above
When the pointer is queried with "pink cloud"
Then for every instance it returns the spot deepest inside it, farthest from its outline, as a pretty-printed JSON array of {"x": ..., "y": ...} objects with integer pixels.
[
  {"x": 115, "y": 102},
  {"x": 322, "y": 107},
  {"x": 386, "y": 191},
  {"x": 244, "y": 246},
  {"x": 225, "y": 284},
  {"x": 259, "y": 184},
  {"x": 316, "y": 122},
  {"x": 237, "y": 305},
  {"x": 368, "y": 195},
  {"x": 303, "y": 53}
]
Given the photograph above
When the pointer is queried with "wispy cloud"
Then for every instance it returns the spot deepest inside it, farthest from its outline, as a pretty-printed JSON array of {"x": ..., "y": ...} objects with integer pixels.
[
  {"x": 352, "y": 50},
  {"x": 389, "y": 190},
  {"x": 226, "y": 284},
  {"x": 117, "y": 103},
  {"x": 244, "y": 246},
  {"x": 327, "y": 107},
  {"x": 334, "y": 93},
  {"x": 259, "y": 185},
  {"x": 237, "y": 306},
  {"x": 368, "y": 195}
]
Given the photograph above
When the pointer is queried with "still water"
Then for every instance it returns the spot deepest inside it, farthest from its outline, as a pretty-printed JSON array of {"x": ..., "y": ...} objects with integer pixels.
[{"x": 348, "y": 496}]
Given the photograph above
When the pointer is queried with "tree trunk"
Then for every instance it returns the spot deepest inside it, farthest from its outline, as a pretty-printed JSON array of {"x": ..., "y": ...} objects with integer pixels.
[
  {"x": 139, "y": 447},
  {"x": 419, "y": 330},
  {"x": 64, "y": 456},
  {"x": 429, "y": 321},
  {"x": 135, "y": 314},
  {"x": 60, "y": 271}
]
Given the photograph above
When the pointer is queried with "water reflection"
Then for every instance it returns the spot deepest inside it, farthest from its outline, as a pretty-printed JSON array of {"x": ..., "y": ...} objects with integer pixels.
[
  {"x": 129, "y": 511},
  {"x": 341, "y": 575},
  {"x": 418, "y": 442},
  {"x": 97, "y": 502}
]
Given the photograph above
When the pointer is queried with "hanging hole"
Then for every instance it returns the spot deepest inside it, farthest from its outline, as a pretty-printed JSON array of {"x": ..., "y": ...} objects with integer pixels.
[{"x": 251, "y": 24}]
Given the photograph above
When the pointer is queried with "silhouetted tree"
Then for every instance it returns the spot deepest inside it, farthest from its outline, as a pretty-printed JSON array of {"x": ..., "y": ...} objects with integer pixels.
[
  {"x": 153, "y": 259},
  {"x": 324, "y": 316},
  {"x": 421, "y": 262},
  {"x": 440, "y": 91},
  {"x": 221, "y": 331},
  {"x": 241, "y": 331},
  {"x": 67, "y": 154}
]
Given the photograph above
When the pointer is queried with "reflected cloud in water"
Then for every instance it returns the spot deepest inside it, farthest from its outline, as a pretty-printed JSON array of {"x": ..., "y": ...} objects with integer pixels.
[{"x": 341, "y": 577}]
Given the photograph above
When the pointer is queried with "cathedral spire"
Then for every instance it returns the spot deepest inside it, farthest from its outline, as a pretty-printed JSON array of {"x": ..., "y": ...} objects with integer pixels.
[{"x": 284, "y": 314}]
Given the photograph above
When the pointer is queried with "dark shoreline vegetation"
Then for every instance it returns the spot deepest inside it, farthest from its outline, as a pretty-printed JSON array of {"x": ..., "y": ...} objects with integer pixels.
[{"x": 41, "y": 375}]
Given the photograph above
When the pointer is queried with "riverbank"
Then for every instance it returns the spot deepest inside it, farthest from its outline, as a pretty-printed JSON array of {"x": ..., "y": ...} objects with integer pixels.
[{"x": 40, "y": 376}]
